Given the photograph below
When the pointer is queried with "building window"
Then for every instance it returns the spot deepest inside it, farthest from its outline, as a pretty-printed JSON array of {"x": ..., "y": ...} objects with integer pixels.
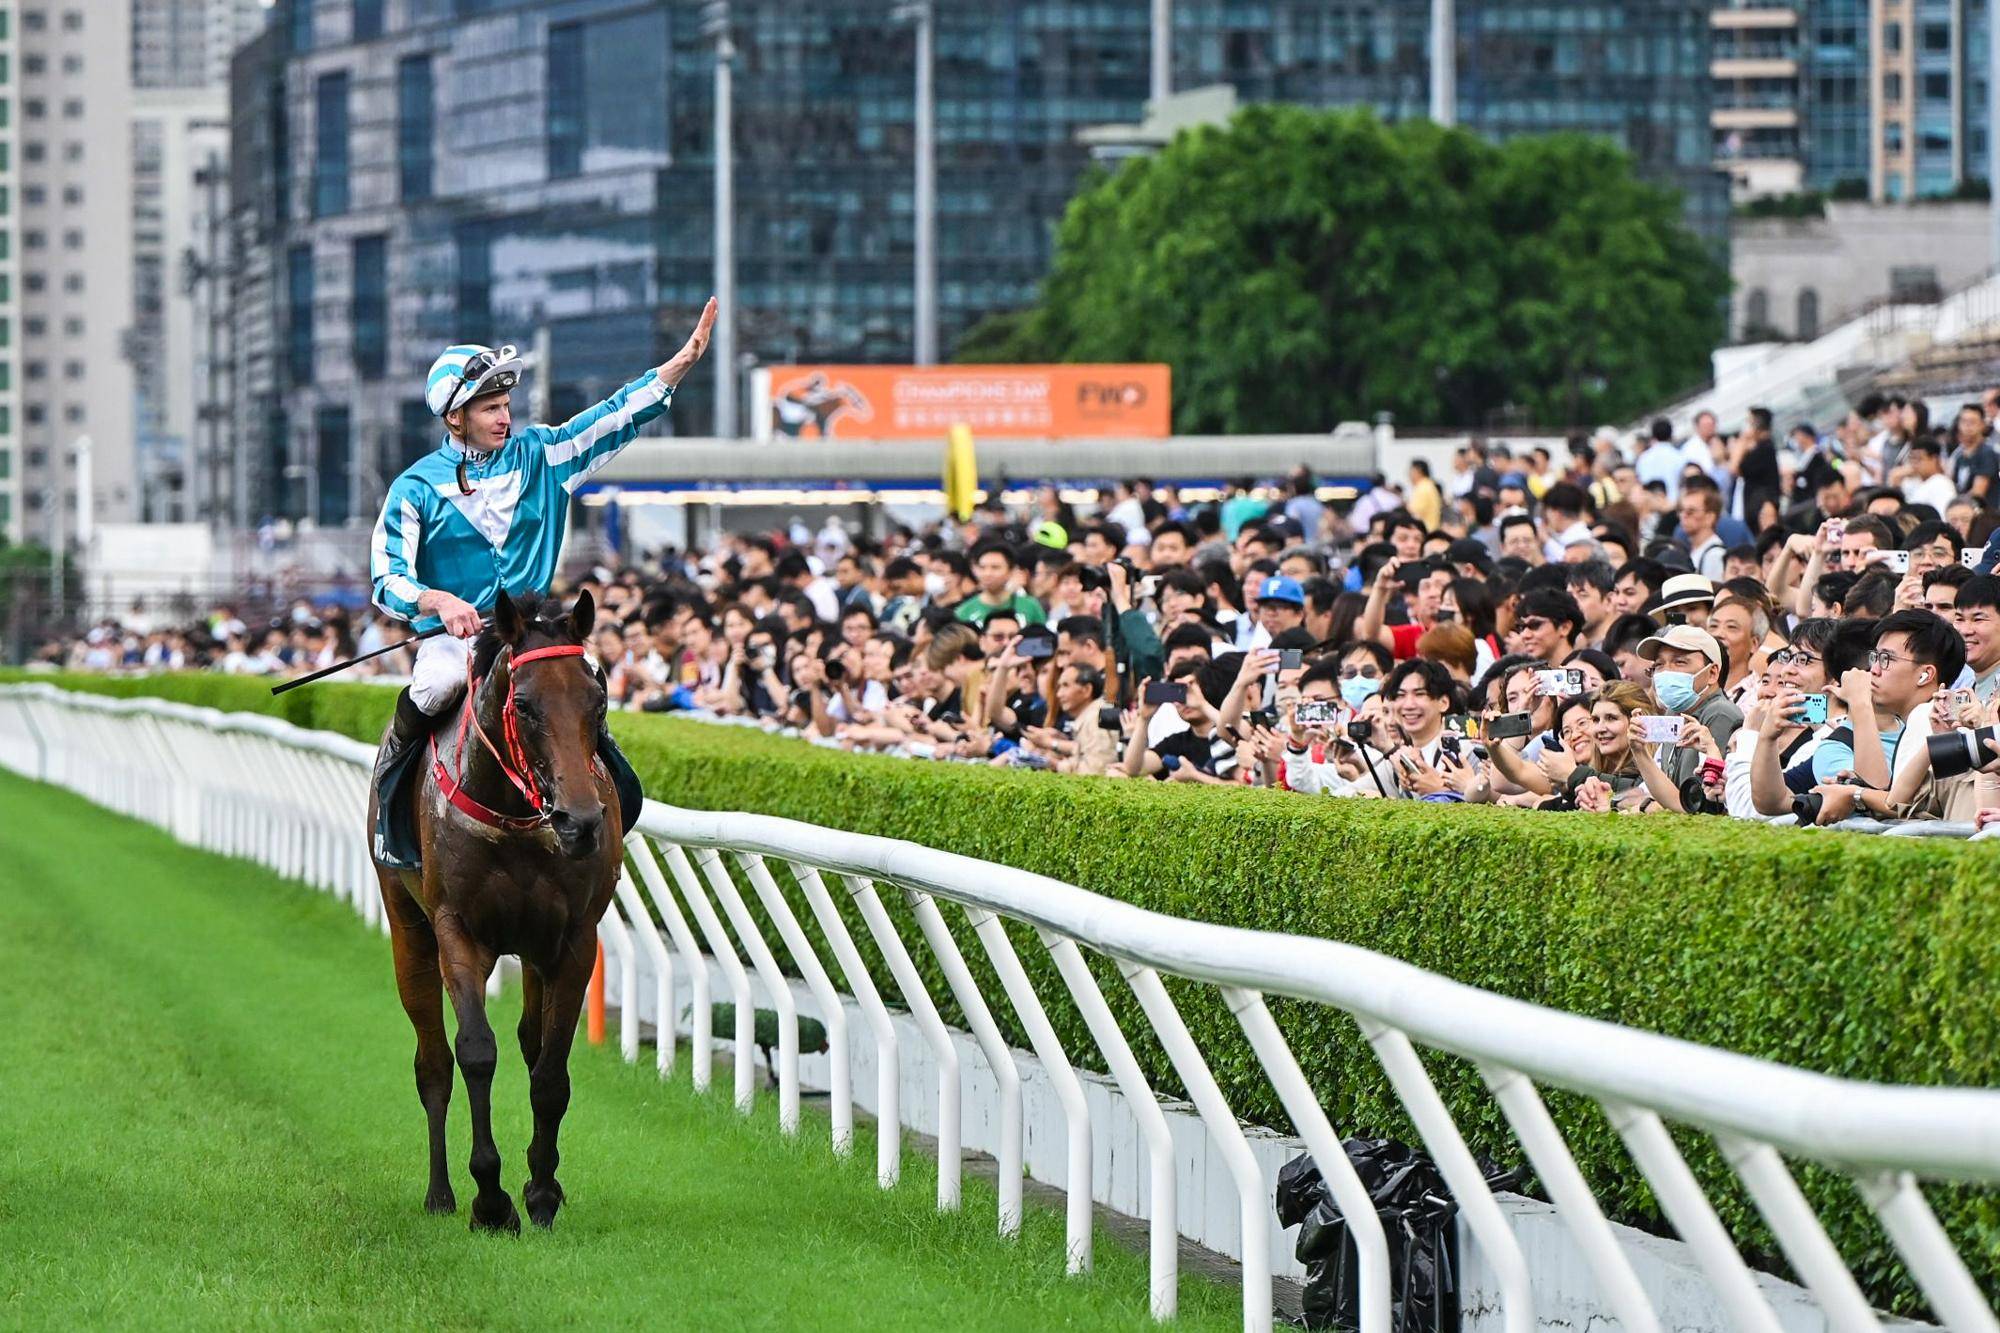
[
  {"x": 330, "y": 430},
  {"x": 1756, "y": 313},
  {"x": 1892, "y": 88},
  {"x": 607, "y": 84},
  {"x": 73, "y": 414},
  {"x": 415, "y": 126},
  {"x": 296, "y": 15},
  {"x": 73, "y": 283},
  {"x": 367, "y": 20},
  {"x": 330, "y": 139},
  {"x": 299, "y": 302},
  {"x": 1892, "y": 36},
  {"x": 1808, "y": 314},
  {"x": 1937, "y": 87},
  {"x": 371, "y": 306}
]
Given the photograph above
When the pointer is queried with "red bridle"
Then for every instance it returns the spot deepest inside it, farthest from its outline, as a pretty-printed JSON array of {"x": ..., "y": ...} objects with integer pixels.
[{"x": 519, "y": 772}]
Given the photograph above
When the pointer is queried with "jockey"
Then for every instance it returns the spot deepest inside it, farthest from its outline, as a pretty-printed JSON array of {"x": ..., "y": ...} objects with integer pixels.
[{"x": 486, "y": 510}]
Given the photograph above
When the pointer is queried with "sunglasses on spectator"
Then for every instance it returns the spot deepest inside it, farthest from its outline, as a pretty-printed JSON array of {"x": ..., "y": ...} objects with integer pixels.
[
  {"x": 1532, "y": 623},
  {"x": 1365, "y": 672}
]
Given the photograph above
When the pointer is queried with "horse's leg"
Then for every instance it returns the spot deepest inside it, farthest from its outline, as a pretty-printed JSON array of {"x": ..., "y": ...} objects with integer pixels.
[
  {"x": 416, "y": 953},
  {"x": 548, "y": 1079},
  {"x": 530, "y": 1031},
  {"x": 465, "y": 965}
]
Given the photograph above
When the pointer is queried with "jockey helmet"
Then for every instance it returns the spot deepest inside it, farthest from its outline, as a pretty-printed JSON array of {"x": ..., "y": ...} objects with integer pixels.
[{"x": 468, "y": 371}]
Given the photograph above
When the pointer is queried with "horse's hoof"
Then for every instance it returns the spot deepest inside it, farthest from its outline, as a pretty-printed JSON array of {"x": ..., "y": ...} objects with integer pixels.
[
  {"x": 499, "y": 1217},
  {"x": 441, "y": 1201},
  {"x": 541, "y": 1202}
]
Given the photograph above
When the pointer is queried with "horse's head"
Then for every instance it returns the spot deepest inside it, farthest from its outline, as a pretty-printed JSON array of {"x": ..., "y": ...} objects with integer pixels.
[{"x": 557, "y": 702}]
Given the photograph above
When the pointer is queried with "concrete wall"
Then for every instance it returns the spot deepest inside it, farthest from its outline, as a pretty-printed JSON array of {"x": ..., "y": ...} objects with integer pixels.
[{"x": 1846, "y": 258}]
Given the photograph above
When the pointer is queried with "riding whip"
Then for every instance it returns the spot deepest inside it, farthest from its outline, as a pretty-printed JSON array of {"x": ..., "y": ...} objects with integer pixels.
[{"x": 356, "y": 661}]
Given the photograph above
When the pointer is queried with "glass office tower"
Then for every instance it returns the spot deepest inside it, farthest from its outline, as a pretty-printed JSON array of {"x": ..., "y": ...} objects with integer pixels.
[{"x": 540, "y": 170}]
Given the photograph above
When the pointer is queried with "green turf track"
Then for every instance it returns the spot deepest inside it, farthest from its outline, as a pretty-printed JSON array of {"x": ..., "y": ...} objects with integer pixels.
[{"x": 207, "y": 1118}]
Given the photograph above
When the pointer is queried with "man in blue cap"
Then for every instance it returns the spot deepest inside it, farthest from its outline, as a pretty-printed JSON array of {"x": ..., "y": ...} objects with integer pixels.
[
  {"x": 486, "y": 510},
  {"x": 1281, "y": 605}
]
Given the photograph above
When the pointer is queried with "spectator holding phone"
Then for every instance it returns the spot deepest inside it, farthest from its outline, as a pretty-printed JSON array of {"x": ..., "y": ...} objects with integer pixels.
[
  {"x": 1913, "y": 652},
  {"x": 1975, "y": 612},
  {"x": 1197, "y": 753},
  {"x": 1688, "y": 669}
]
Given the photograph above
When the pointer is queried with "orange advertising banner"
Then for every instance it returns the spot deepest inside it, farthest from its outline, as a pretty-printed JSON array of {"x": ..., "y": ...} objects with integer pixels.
[{"x": 906, "y": 402}]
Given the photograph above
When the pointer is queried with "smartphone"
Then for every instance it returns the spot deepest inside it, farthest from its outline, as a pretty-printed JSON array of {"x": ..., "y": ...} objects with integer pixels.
[
  {"x": 1037, "y": 648},
  {"x": 1660, "y": 729},
  {"x": 1510, "y": 726},
  {"x": 1560, "y": 682},
  {"x": 1291, "y": 659},
  {"x": 1897, "y": 562},
  {"x": 1149, "y": 588},
  {"x": 1812, "y": 710},
  {"x": 1835, "y": 530},
  {"x": 1971, "y": 556},
  {"x": 1462, "y": 724},
  {"x": 1318, "y": 712},
  {"x": 1266, "y": 718},
  {"x": 1166, "y": 692}
]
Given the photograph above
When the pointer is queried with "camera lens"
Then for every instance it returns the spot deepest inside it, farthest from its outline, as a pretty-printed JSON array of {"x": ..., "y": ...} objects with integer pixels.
[
  {"x": 1807, "y": 806},
  {"x": 1955, "y": 752}
]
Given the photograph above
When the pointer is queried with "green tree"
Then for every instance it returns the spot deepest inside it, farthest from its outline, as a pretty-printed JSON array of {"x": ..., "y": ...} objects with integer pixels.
[{"x": 1303, "y": 267}]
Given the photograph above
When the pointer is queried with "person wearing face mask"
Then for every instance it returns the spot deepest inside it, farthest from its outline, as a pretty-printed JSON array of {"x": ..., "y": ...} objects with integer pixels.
[
  {"x": 1688, "y": 666},
  {"x": 1318, "y": 759}
]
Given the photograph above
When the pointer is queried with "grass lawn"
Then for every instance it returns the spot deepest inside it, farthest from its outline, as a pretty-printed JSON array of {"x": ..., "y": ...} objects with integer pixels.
[{"x": 208, "y": 1118}]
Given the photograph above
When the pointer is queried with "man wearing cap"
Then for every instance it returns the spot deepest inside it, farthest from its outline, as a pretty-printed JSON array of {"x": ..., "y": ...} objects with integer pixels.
[
  {"x": 1688, "y": 598},
  {"x": 485, "y": 511},
  {"x": 1281, "y": 605},
  {"x": 1688, "y": 669}
]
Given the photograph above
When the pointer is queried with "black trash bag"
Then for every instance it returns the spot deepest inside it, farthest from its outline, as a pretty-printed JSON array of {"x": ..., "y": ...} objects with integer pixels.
[{"x": 1417, "y": 1213}]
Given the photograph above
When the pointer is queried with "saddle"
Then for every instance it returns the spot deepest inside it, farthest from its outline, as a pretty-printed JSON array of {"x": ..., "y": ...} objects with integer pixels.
[{"x": 396, "y": 842}]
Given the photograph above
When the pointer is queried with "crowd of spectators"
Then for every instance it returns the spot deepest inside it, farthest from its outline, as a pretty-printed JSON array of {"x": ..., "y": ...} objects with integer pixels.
[{"x": 1732, "y": 625}]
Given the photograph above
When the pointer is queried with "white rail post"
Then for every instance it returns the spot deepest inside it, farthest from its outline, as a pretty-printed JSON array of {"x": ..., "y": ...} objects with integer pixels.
[
  {"x": 1162, "y": 1193},
  {"x": 991, "y": 1044},
  {"x": 1799, "y": 1233},
  {"x": 1913, "y": 1227},
  {"x": 724, "y": 952},
  {"x": 774, "y": 981},
  {"x": 888, "y": 1064},
  {"x": 1253, "y": 1195},
  {"x": 611, "y": 928},
  {"x": 840, "y": 1092},
  {"x": 1289, "y": 1081},
  {"x": 924, "y": 1010},
  {"x": 992, "y": 933},
  {"x": 699, "y": 1033},
  {"x": 640, "y": 921}
]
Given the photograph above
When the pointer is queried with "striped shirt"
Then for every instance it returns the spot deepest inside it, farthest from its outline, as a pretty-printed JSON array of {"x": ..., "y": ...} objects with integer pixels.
[{"x": 509, "y": 532}]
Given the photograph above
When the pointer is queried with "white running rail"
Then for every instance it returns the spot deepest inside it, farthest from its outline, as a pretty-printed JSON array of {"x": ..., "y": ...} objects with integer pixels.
[{"x": 257, "y": 787}]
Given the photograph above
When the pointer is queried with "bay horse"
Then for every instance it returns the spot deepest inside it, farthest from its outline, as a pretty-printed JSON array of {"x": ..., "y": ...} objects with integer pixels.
[{"x": 520, "y": 830}]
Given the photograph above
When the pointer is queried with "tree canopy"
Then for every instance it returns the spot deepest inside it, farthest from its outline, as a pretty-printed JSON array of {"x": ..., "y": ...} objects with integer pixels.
[{"x": 1302, "y": 267}]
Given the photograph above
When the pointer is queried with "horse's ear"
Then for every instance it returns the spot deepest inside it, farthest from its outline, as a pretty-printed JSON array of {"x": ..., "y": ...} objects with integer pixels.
[
  {"x": 507, "y": 621},
  {"x": 583, "y": 616}
]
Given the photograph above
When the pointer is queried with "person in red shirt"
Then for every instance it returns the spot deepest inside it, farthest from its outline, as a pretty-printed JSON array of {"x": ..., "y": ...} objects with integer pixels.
[{"x": 1422, "y": 603}]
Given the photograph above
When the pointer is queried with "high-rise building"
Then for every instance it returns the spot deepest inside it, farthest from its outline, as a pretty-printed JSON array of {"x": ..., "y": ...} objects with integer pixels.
[
  {"x": 1929, "y": 67},
  {"x": 1759, "y": 96},
  {"x": 540, "y": 173},
  {"x": 71, "y": 176},
  {"x": 1835, "y": 133},
  {"x": 12, "y": 461},
  {"x": 180, "y": 134}
]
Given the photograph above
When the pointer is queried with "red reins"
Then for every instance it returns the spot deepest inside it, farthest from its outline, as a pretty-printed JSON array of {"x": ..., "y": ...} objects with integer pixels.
[{"x": 520, "y": 773}]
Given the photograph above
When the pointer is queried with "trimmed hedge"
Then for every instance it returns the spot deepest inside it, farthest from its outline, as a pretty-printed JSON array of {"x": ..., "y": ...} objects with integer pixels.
[{"x": 1865, "y": 957}]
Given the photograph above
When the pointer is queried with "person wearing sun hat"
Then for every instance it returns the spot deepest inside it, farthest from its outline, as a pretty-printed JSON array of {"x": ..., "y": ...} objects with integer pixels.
[{"x": 1687, "y": 597}]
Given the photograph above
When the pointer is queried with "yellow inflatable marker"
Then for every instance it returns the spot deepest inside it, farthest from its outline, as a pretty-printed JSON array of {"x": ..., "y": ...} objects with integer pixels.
[{"x": 961, "y": 473}]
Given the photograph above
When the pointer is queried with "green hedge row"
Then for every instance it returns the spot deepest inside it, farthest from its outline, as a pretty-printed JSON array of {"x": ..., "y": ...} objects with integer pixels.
[{"x": 1866, "y": 957}]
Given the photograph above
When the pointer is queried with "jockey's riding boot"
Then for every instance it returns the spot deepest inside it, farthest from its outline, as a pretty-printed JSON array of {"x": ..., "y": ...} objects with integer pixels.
[{"x": 410, "y": 726}]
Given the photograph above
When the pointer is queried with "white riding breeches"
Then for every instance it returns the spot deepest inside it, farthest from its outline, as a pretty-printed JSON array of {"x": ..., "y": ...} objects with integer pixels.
[{"x": 438, "y": 678}]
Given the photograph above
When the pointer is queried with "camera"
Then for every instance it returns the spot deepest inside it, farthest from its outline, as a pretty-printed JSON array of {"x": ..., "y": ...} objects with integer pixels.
[
  {"x": 836, "y": 670},
  {"x": 1961, "y": 751},
  {"x": 1108, "y": 718},
  {"x": 1361, "y": 733},
  {"x": 1807, "y": 806}
]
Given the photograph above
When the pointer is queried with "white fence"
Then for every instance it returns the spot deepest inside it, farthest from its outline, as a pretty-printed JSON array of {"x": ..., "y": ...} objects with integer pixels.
[{"x": 257, "y": 787}]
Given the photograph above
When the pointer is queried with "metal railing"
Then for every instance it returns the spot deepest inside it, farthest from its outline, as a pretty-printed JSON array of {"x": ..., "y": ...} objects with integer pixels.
[{"x": 258, "y": 787}]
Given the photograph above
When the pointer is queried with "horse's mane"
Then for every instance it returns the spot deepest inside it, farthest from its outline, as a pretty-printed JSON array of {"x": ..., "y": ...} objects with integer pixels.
[{"x": 546, "y": 620}]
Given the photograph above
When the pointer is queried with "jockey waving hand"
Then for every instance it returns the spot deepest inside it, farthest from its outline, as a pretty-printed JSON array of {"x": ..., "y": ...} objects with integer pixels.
[{"x": 486, "y": 510}]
